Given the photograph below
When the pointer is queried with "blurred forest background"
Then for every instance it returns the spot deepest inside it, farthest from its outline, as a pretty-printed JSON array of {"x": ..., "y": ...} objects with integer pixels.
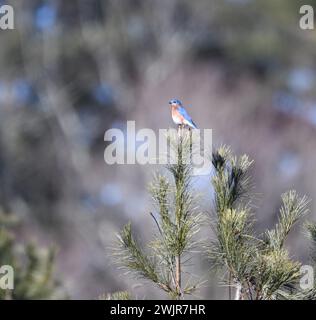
[{"x": 73, "y": 69}]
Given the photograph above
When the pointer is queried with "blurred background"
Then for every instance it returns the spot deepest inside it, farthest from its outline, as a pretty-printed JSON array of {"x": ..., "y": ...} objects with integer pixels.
[{"x": 73, "y": 69}]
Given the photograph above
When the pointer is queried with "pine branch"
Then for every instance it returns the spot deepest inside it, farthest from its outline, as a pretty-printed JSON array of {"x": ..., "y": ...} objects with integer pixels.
[
  {"x": 130, "y": 256},
  {"x": 258, "y": 268},
  {"x": 293, "y": 208},
  {"x": 176, "y": 220},
  {"x": 231, "y": 249}
]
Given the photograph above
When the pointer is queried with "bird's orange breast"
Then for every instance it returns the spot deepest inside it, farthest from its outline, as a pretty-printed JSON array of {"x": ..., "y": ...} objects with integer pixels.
[{"x": 176, "y": 116}]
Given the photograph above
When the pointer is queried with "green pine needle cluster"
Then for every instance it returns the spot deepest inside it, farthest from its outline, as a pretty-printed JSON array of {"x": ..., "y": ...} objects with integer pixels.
[
  {"x": 33, "y": 267},
  {"x": 118, "y": 295}
]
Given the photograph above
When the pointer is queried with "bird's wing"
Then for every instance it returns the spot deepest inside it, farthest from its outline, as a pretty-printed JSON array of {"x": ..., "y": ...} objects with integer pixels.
[
  {"x": 186, "y": 116},
  {"x": 184, "y": 113}
]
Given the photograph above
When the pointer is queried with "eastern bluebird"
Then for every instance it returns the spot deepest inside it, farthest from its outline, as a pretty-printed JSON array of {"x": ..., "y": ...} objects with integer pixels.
[{"x": 179, "y": 114}]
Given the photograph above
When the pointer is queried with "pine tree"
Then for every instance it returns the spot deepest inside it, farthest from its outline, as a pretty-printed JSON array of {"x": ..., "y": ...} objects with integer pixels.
[
  {"x": 258, "y": 267},
  {"x": 255, "y": 267},
  {"x": 177, "y": 222}
]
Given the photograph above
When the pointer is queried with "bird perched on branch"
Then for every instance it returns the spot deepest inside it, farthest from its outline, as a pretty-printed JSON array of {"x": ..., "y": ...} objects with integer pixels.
[{"x": 180, "y": 115}]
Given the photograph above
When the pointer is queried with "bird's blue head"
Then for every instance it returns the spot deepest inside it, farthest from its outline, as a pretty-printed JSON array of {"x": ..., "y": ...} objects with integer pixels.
[{"x": 175, "y": 102}]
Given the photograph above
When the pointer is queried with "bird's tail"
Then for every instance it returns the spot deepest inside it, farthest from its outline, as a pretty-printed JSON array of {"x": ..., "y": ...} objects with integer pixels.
[{"x": 193, "y": 125}]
